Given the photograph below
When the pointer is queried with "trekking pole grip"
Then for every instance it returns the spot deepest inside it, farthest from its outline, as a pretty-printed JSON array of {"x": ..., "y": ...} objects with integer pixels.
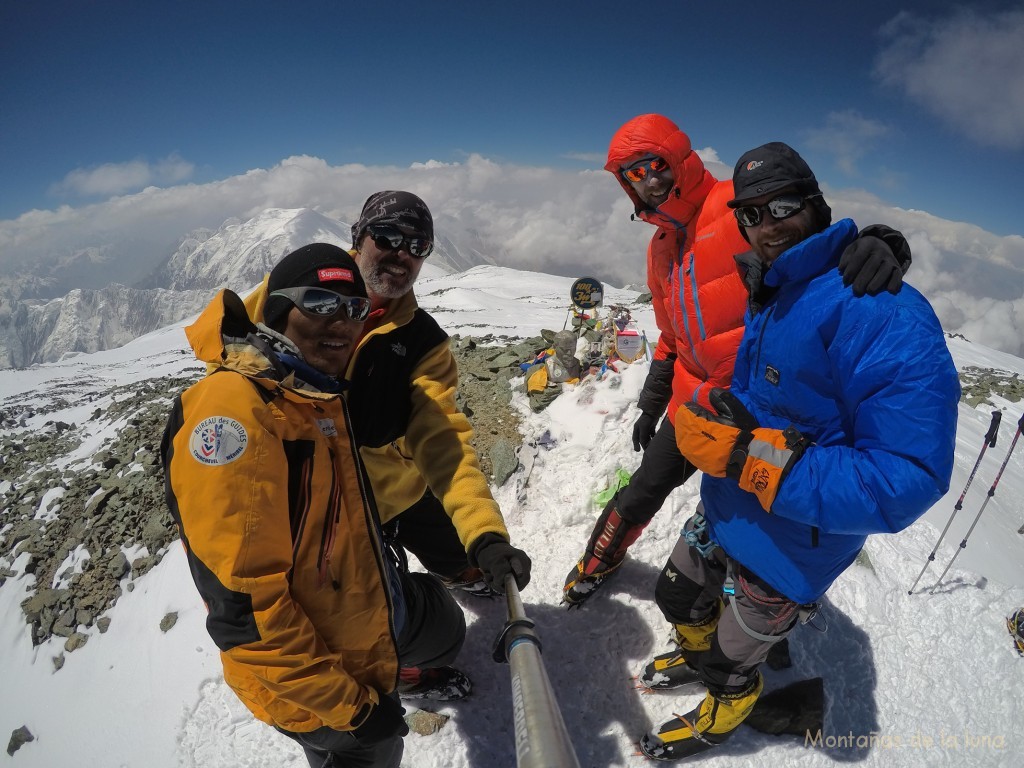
[{"x": 993, "y": 428}]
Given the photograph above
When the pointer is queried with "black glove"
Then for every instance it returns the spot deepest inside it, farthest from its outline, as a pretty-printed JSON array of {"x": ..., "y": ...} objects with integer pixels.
[
  {"x": 643, "y": 431},
  {"x": 657, "y": 389},
  {"x": 497, "y": 558},
  {"x": 384, "y": 721},
  {"x": 875, "y": 261}
]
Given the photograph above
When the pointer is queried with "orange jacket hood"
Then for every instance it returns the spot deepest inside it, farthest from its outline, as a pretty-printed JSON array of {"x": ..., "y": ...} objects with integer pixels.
[{"x": 657, "y": 135}]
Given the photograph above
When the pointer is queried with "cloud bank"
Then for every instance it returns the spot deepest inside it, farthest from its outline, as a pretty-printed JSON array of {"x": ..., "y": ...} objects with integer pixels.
[
  {"x": 968, "y": 69},
  {"x": 533, "y": 218},
  {"x": 118, "y": 178}
]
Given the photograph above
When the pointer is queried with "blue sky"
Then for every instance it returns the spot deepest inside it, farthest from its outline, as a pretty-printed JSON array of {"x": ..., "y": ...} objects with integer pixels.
[{"x": 919, "y": 103}]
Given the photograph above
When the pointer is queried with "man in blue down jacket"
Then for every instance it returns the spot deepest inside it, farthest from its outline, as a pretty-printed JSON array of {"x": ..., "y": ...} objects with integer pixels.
[{"x": 840, "y": 423}]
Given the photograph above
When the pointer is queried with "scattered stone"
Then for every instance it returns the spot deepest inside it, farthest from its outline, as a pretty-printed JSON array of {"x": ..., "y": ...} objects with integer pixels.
[
  {"x": 99, "y": 501},
  {"x": 118, "y": 566},
  {"x": 58, "y": 662},
  {"x": 76, "y": 641},
  {"x": 978, "y": 385},
  {"x": 486, "y": 365},
  {"x": 424, "y": 722},
  {"x": 168, "y": 621},
  {"x": 504, "y": 461},
  {"x": 103, "y": 624},
  {"x": 19, "y": 737}
]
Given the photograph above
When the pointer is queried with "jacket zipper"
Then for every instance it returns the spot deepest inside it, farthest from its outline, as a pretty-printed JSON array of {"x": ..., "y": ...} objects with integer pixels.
[
  {"x": 331, "y": 521},
  {"x": 760, "y": 339},
  {"x": 373, "y": 526},
  {"x": 685, "y": 270},
  {"x": 304, "y": 503}
]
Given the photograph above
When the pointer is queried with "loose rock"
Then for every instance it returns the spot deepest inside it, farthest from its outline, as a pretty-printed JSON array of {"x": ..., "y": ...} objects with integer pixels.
[{"x": 19, "y": 737}]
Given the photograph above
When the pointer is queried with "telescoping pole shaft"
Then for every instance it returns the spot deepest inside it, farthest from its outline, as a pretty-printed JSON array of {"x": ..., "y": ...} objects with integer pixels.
[
  {"x": 990, "y": 442},
  {"x": 991, "y": 493},
  {"x": 542, "y": 740}
]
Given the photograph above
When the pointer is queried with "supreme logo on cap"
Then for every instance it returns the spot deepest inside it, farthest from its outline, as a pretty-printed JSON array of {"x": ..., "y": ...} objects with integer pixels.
[{"x": 334, "y": 273}]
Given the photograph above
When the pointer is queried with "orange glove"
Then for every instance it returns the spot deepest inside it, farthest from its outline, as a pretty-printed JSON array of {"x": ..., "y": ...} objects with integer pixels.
[{"x": 732, "y": 444}]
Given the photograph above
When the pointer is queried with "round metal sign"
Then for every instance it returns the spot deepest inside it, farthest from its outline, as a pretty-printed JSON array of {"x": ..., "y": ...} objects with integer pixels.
[{"x": 586, "y": 293}]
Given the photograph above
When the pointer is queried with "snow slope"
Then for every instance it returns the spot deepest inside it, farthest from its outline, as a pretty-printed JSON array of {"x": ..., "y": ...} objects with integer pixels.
[{"x": 910, "y": 680}]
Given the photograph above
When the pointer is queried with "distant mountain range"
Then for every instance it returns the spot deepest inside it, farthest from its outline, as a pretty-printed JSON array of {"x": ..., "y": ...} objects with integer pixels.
[{"x": 235, "y": 256}]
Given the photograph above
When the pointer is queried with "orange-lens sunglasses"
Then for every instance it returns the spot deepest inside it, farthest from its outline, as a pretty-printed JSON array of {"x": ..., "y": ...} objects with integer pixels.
[{"x": 639, "y": 172}]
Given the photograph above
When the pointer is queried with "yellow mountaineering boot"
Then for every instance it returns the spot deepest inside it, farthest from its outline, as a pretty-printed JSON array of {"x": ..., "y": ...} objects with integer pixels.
[
  {"x": 707, "y": 726},
  {"x": 672, "y": 670}
]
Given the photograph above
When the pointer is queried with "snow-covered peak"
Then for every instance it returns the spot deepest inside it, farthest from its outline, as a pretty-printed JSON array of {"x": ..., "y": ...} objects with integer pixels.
[{"x": 240, "y": 253}]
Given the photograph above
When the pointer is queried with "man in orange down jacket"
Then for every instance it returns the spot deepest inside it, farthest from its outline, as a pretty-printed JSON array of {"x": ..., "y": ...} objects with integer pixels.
[
  {"x": 309, "y": 608},
  {"x": 699, "y": 300}
]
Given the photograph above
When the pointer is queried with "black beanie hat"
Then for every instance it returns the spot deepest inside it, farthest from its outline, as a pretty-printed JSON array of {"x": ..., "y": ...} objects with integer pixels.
[
  {"x": 311, "y": 265},
  {"x": 769, "y": 168},
  {"x": 400, "y": 209},
  {"x": 772, "y": 167}
]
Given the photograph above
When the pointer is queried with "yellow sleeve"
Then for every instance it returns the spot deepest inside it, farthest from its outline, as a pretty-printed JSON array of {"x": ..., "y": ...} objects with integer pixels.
[{"x": 438, "y": 436}]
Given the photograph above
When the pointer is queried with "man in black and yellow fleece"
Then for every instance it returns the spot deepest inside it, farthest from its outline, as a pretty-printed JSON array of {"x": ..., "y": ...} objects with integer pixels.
[
  {"x": 433, "y": 498},
  {"x": 309, "y": 608}
]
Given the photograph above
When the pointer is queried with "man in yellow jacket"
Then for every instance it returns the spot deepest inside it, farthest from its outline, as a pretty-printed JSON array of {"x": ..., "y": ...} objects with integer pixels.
[
  {"x": 432, "y": 496},
  {"x": 309, "y": 608}
]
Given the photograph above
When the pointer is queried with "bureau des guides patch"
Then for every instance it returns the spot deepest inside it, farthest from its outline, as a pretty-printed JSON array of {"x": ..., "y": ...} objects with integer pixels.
[{"x": 218, "y": 440}]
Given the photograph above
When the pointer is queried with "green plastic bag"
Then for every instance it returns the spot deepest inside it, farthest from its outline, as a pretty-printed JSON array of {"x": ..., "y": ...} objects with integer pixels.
[{"x": 621, "y": 480}]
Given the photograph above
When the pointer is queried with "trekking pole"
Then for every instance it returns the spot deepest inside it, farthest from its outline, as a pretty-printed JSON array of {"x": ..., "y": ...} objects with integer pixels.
[
  {"x": 990, "y": 441},
  {"x": 991, "y": 493},
  {"x": 542, "y": 740}
]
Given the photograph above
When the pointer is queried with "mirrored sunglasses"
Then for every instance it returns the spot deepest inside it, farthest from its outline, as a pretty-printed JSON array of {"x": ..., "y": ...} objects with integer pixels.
[
  {"x": 639, "y": 172},
  {"x": 391, "y": 239},
  {"x": 781, "y": 207},
  {"x": 320, "y": 302}
]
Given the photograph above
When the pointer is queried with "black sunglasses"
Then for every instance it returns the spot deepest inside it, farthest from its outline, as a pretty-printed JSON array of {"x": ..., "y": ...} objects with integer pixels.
[
  {"x": 391, "y": 239},
  {"x": 781, "y": 207},
  {"x": 320, "y": 302}
]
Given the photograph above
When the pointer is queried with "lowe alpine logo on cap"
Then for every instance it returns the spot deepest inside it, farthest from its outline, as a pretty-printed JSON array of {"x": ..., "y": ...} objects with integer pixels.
[
  {"x": 218, "y": 440},
  {"x": 754, "y": 164},
  {"x": 327, "y": 274}
]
